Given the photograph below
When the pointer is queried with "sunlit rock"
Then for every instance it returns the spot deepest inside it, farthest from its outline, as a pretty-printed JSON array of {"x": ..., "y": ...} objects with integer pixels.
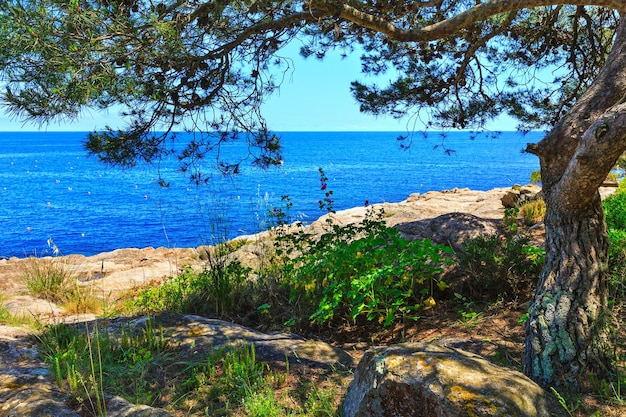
[{"x": 428, "y": 380}]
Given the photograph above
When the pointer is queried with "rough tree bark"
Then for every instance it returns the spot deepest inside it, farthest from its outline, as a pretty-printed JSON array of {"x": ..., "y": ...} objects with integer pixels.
[{"x": 566, "y": 332}]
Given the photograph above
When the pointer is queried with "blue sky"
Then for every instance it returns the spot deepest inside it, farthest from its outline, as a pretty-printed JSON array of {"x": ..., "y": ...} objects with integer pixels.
[{"x": 314, "y": 97}]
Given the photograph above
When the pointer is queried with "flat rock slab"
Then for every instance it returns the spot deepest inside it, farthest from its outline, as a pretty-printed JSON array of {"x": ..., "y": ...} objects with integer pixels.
[
  {"x": 108, "y": 273},
  {"x": 204, "y": 336},
  {"x": 429, "y": 380},
  {"x": 28, "y": 389}
]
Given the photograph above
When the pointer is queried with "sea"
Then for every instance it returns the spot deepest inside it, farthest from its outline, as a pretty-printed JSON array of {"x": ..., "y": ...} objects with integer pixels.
[{"x": 55, "y": 200}]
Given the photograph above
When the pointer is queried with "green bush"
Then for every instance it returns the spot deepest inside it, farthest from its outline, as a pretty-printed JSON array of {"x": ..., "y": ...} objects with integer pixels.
[
  {"x": 617, "y": 263},
  {"x": 533, "y": 211},
  {"x": 615, "y": 210},
  {"x": 500, "y": 267},
  {"x": 535, "y": 176},
  {"x": 48, "y": 278},
  {"x": 364, "y": 270},
  {"x": 213, "y": 291}
]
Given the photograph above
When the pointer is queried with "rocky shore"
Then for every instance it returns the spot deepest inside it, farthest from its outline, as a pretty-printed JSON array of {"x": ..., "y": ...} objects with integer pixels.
[
  {"x": 25, "y": 385},
  {"x": 465, "y": 212}
]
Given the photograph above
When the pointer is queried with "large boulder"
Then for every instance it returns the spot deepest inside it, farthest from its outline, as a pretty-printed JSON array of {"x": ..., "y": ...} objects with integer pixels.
[{"x": 429, "y": 380}]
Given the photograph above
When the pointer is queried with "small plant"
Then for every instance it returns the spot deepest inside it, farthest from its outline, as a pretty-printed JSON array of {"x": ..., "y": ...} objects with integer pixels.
[
  {"x": 469, "y": 319},
  {"x": 263, "y": 404},
  {"x": 5, "y": 315},
  {"x": 610, "y": 389},
  {"x": 535, "y": 176},
  {"x": 510, "y": 220},
  {"x": 562, "y": 402},
  {"x": 327, "y": 203},
  {"x": 48, "y": 278},
  {"x": 321, "y": 402},
  {"x": 279, "y": 216},
  {"x": 496, "y": 266},
  {"x": 533, "y": 212}
]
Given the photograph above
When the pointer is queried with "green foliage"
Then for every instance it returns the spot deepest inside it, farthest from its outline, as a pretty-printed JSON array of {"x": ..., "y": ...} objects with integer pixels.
[
  {"x": 359, "y": 270},
  {"x": 364, "y": 270},
  {"x": 144, "y": 368},
  {"x": 91, "y": 363},
  {"x": 263, "y": 404},
  {"x": 496, "y": 266},
  {"x": 617, "y": 264},
  {"x": 162, "y": 67},
  {"x": 509, "y": 220},
  {"x": 213, "y": 291},
  {"x": 210, "y": 65},
  {"x": 533, "y": 211},
  {"x": 535, "y": 176},
  {"x": 49, "y": 278},
  {"x": 615, "y": 210},
  {"x": 615, "y": 213},
  {"x": 226, "y": 378}
]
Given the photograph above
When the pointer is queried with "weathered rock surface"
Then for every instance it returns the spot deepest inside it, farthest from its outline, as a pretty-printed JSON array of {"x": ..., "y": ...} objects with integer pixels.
[
  {"x": 451, "y": 229},
  {"x": 202, "y": 336},
  {"x": 27, "y": 389},
  {"x": 428, "y": 380},
  {"x": 518, "y": 195}
]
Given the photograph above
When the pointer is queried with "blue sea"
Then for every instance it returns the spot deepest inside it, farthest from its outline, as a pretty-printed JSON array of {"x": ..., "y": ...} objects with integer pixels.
[{"x": 53, "y": 195}]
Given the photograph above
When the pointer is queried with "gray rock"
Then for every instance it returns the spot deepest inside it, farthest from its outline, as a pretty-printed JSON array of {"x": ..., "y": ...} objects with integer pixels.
[
  {"x": 428, "y": 380},
  {"x": 519, "y": 195},
  {"x": 119, "y": 407},
  {"x": 29, "y": 306},
  {"x": 452, "y": 229},
  {"x": 202, "y": 335}
]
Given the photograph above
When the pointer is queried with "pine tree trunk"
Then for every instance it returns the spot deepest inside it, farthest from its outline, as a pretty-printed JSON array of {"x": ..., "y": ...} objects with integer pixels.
[{"x": 566, "y": 331}]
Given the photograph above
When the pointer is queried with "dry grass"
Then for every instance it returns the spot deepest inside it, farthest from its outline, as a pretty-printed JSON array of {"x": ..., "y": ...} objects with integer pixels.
[{"x": 54, "y": 279}]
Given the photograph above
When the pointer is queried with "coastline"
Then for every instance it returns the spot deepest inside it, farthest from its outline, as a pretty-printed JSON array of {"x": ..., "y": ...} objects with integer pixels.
[
  {"x": 443, "y": 216},
  {"x": 121, "y": 269}
]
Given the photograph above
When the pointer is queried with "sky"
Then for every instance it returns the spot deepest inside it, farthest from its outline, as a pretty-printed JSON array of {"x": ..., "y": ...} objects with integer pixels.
[{"x": 314, "y": 97}]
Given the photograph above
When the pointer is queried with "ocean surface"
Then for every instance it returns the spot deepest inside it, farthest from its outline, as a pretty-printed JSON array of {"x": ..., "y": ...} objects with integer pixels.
[{"x": 53, "y": 195}]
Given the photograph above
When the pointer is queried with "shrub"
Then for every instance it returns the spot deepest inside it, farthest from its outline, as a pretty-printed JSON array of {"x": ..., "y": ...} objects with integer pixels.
[
  {"x": 213, "y": 291},
  {"x": 617, "y": 263},
  {"x": 615, "y": 210},
  {"x": 535, "y": 176},
  {"x": 48, "y": 278},
  {"x": 363, "y": 270},
  {"x": 533, "y": 212},
  {"x": 500, "y": 267}
]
